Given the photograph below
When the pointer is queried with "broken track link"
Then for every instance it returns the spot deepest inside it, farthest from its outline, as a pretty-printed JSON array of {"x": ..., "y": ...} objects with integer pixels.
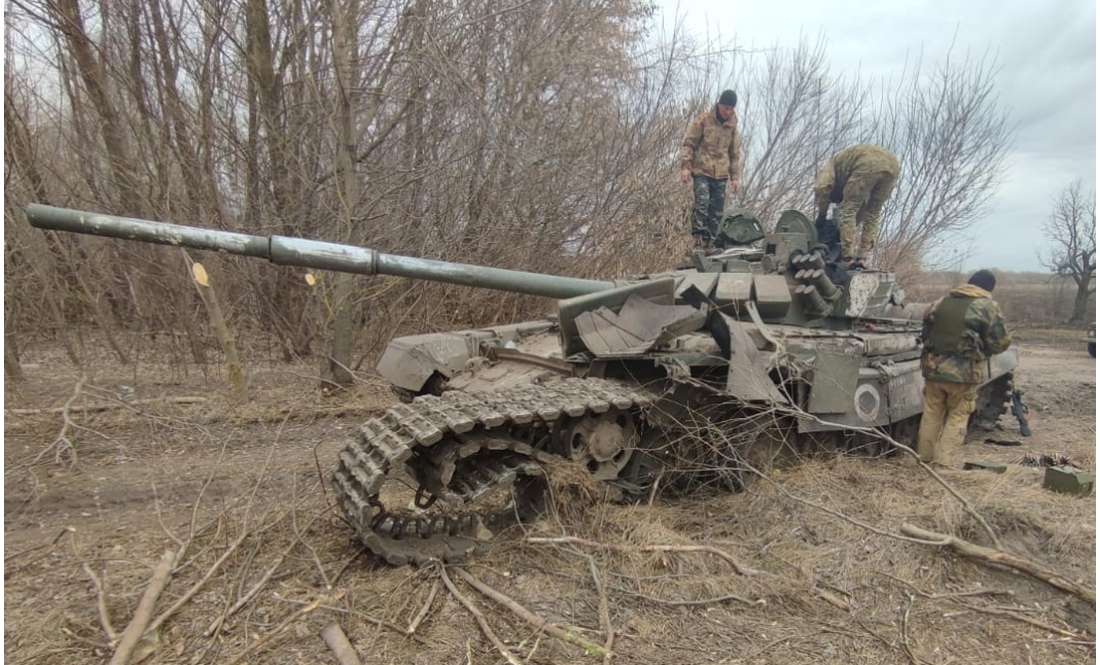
[{"x": 459, "y": 447}]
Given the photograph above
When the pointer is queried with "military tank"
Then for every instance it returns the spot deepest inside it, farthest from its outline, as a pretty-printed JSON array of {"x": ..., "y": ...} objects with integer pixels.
[{"x": 741, "y": 358}]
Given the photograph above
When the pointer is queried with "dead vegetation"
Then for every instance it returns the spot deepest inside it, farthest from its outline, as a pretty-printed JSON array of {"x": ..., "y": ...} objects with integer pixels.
[{"x": 837, "y": 559}]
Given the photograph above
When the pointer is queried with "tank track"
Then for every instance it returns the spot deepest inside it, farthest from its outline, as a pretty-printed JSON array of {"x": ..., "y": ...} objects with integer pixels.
[
  {"x": 991, "y": 402},
  {"x": 461, "y": 447}
]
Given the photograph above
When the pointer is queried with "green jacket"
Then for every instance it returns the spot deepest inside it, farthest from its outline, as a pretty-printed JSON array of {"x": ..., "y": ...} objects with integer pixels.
[
  {"x": 864, "y": 160},
  {"x": 712, "y": 147},
  {"x": 968, "y": 333}
]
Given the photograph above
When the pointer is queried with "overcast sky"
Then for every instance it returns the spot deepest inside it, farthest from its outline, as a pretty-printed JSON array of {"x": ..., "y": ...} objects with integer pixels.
[{"x": 1047, "y": 82}]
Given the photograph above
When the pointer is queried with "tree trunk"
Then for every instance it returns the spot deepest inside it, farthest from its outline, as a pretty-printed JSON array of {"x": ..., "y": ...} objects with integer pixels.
[
  {"x": 217, "y": 320},
  {"x": 336, "y": 367},
  {"x": 1081, "y": 301},
  {"x": 93, "y": 75},
  {"x": 12, "y": 370}
]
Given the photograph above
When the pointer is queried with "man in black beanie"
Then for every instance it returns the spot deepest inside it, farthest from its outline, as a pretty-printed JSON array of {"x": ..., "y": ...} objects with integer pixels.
[
  {"x": 710, "y": 157},
  {"x": 961, "y": 330}
]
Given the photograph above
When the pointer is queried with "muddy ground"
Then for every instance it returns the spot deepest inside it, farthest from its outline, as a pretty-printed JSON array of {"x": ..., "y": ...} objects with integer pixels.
[{"x": 824, "y": 576}]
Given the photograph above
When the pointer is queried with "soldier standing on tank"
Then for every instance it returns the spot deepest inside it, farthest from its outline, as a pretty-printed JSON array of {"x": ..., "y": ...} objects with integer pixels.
[
  {"x": 710, "y": 157},
  {"x": 858, "y": 179},
  {"x": 961, "y": 330}
]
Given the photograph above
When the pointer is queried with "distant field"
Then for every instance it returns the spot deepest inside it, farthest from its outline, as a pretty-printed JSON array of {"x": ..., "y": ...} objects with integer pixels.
[{"x": 1027, "y": 298}]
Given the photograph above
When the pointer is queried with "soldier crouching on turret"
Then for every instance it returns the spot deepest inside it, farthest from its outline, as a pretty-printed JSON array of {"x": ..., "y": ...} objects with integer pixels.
[{"x": 858, "y": 179}]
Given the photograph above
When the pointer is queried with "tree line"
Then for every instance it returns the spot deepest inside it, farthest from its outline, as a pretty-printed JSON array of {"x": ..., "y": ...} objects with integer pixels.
[{"x": 539, "y": 135}]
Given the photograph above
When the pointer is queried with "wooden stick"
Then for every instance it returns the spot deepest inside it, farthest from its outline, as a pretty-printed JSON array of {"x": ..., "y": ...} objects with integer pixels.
[
  {"x": 360, "y": 615},
  {"x": 759, "y": 602},
  {"x": 198, "y": 585},
  {"x": 101, "y": 604},
  {"x": 832, "y": 599},
  {"x": 233, "y": 367},
  {"x": 1081, "y": 638},
  {"x": 478, "y": 616},
  {"x": 97, "y": 408},
  {"x": 252, "y": 593},
  {"x": 522, "y": 612},
  {"x": 423, "y": 610},
  {"x": 62, "y": 441},
  {"x": 903, "y": 636},
  {"x": 338, "y": 642},
  {"x": 277, "y": 630},
  {"x": 605, "y": 614},
  {"x": 996, "y": 556},
  {"x": 571, "y": 540},
  {"x": 144, "y": 611}
]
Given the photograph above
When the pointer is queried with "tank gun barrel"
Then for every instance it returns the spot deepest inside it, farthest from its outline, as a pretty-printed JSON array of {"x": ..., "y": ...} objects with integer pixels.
[{"x": 285, "y": 250}]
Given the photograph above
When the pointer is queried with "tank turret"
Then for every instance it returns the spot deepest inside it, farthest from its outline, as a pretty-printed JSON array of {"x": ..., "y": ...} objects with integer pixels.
[{"x": 768, "y": 342}]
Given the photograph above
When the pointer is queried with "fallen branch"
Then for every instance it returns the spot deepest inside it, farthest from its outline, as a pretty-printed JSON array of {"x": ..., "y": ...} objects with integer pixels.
[
  {"x": 338, "y": 642},
  {"x": 478, "y": 616},
  {"x": 522, "y": 612},
  {"x": 252, "y": 592},
  {"x": 903, "y": 636},
  {"x": 719, "y": 435},
  {"x": 1079, "y": 638},
  {"x": 570, "y": 540},
  {"x": 950, "y": 596},
  {"x": 97, "y": 408},
  {"x": 277, "y": 630},
  {"x": 605, "y": 614},
  {"x": 101, "y": 604},
  {"x": 831, "y": 598},
  {"x": 360, "y": 615},
  {"x": 996, "y": 556},
  {"x": 62, "y": 442},
  {"x": 688, "y": 603},
  {"x": 183, "y": 600},
  {"x": 140, "y": 622},
  {"x": 423, "y": 610}
]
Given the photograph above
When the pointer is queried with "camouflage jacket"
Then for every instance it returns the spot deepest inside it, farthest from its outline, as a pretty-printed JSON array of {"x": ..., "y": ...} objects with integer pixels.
[
  {"x": 712, "y": 147},
  {"x": 861, "y": 160},
  {"x": 984, "y": 335}
]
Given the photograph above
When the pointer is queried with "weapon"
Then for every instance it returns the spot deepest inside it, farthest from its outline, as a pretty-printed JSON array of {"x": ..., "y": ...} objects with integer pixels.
[
  {"x": 604, "y": 381},
  {"x": 1021, "y": 412}
]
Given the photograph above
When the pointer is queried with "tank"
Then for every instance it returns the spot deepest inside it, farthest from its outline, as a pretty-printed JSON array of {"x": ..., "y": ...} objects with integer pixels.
[{"x": 738, "y": 359}]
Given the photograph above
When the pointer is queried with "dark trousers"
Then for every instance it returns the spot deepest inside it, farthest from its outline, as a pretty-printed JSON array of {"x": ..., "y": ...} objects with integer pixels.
[{"x": 710, "y": 200}]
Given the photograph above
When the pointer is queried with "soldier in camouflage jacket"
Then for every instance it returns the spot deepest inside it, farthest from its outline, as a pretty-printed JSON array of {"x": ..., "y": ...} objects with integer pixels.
[
  {"x": 710, "y": 157},
  {"x": 858, "y": 179},
  {"x": 961, "y": 330}
]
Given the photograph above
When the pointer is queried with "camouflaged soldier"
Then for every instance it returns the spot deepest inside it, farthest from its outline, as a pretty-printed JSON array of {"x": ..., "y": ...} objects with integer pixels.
[
  {"x": 858, "y": 179},
  {"x": 711, "y": 157},
  {"x": 961, "y": 330}
]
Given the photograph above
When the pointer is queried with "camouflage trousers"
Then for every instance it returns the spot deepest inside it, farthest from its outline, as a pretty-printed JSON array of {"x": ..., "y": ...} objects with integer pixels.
[
  {"x": 947, "y": 409},
  {"x": 864, "y": 196},
  {"x": 710, "y": 201}
]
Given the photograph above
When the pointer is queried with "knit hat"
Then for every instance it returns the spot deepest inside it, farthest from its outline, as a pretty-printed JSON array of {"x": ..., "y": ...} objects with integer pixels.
[
  {"x": 983, "y": 279},
  {"x": 728, "y": 98}
]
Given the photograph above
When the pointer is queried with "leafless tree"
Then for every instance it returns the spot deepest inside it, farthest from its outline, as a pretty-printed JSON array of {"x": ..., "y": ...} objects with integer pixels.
[
  {"x": 484, "y": 132},
  {"x": 951, "y": 136},
  {"x": 1071, "y": 230}
]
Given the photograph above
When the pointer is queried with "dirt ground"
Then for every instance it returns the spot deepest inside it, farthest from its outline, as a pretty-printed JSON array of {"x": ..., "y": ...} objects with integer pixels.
[{"x": 93, "y": 498}]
